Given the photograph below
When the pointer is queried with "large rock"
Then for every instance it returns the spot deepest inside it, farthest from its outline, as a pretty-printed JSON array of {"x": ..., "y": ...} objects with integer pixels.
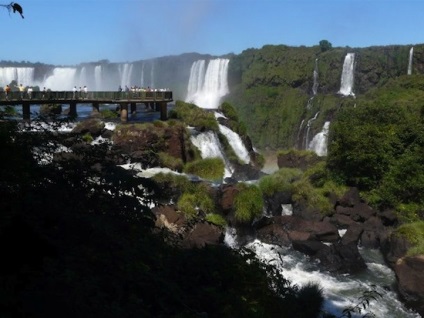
[
  {"x": 203, "y": 234},
  {"x": 93, "y": 126},
  {"x": 409, "y": 272},
  {"x": 297, "y": 159}
]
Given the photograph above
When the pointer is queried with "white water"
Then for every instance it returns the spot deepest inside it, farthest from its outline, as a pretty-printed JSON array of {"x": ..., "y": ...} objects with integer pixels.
[
  {"x": 340, "y": 291},
  {"x": 411, "y": 55},
  {"x": 63, "y": 78},
  {"x": 207, "y": 86},
  {"x": 22, "y": 75},
  {"x": 236, "y": 143},
  {"x": 315, "y": 76},
  {"x": 319, "y": 142},
  {"x": 346, "y": 85},
  {"x": 209, "y": 147},
  {"x": 125, "y": 72},
  {"x": 308, "y": 128}
]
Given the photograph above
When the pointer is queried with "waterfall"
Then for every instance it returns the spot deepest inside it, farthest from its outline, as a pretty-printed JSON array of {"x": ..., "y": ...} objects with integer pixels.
[
  {"x": 22, "y": 75},
  {"x": 195, "y": 82},
  {"x": 206, "y": 88},
  {"x": 63, "y": 78},
  {"x": 125, "y": 72},
  {"x": 209, "y": 147},
  {"x": 315, "y": 77},
  {"x": 142, "y": 76},
  {"x": 98, "y": 77},
  {"x": 411, "y": 54},
  {"x": 319, "y": 142},
  {"x": 236, "y": 143},
  {"x": 347, "y": 75},
  {"x": 152, "y": 75},
  {"x": 308, "y": 128}
]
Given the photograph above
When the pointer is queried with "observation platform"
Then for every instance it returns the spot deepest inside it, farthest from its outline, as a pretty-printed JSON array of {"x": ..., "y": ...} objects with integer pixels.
[{"x": 127, "y": 101}]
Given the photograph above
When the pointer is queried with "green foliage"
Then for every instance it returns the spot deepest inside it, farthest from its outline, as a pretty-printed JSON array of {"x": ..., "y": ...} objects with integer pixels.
[
  {"x": 188, "y": 205},
  {"x": 195, "y": 116},
  {"x": 87, "y": 138},
  {"x": 216, "y": 219},
  {"x": 315, "y": 188},
  {"x": 168, "y": 161},
  {"x": 279, "y": 181},
  {"x": 108, "y": 114},
  {"x": 229, "y": 111},
  {"x": 325, "y": 45},
  {"x": 414, "y": 233},
  {"x": 248, "y": 203},
  {"x": 208, "y": 168}
]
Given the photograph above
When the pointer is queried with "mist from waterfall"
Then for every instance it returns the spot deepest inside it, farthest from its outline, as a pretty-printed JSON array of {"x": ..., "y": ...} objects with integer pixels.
[
  {"x": 236, "y": 143},
  {"x": 411, "y": 55},
  {"x": 210, "y": 147},
  {"x": 125, "y": 72},
  {"x": 22, "y": 75},
  {"x": 319, "y": 143},
  {"x": 346, "y": 84},
  {"x": 207, "y": 85},
  {"x": 63, "y": 78},
  {"x": 98, "y": 77}
]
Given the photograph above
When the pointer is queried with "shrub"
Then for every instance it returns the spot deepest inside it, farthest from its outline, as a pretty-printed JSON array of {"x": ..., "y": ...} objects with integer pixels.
[
  {"x": 168, "y": 161},
  {"x": 279, "y": 181},
  {"x": 87, "y": 138},
  {"x": 195, "y": 116},
  {"x": 414, "y": 233},
  {"x": 229, "y": 111},
  {"x": 208, "y": 168},
  {"x": 187, "y": 205},
  {"x": 216, "y": 219},
  {"x": 108, "y": 114},
  {"x": 248, "y": 203}
]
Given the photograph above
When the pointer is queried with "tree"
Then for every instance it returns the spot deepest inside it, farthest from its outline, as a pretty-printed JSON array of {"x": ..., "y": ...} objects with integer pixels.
[{"x": 325, "y": 45}]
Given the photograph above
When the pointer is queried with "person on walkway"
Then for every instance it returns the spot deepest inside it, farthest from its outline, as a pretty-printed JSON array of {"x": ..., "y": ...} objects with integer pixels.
[
  {"x": 74, "y": 92},
  {"x": 29, "y": 92},
  {"x": 7, "y": 91},
  {"x": 22, "y": 91},
  {"x": 85, "y": 92}
]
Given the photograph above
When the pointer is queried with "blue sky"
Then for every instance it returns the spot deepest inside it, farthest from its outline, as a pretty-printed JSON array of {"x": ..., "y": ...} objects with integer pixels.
[{"x": 69, "y": 32}]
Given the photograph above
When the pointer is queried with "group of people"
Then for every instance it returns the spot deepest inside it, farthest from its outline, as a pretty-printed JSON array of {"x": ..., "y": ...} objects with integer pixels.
[
  {"x": 81, "y": 92},
  {"x": 24, "y": 92}
]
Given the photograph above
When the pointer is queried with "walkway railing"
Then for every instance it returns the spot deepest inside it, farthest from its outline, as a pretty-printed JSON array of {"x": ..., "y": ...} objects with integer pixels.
[{"x": 92, "y": 96}]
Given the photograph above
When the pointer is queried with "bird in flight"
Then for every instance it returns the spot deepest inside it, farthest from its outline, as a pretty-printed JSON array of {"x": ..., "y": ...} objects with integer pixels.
[{"x": 16, "y": 7}]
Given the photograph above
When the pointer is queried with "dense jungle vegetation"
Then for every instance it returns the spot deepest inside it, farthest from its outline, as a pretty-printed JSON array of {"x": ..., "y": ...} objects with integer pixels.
[
  {"x": 272, "y": 87},
  {"x": 77, "y": 240}
]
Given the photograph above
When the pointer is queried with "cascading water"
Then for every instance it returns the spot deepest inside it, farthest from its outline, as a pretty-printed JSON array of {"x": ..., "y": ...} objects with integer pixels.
[
  {"x": 125, "y": 72},
  {"x": 319, "y": 143},
  {"x": 142, "y": 76},
  {"x": 339, "y": 291},
  {"x": 63, "y": 78},
  {"x": 411, "y": 55},
  {"x": 236, "y": 143},
  {"x": 346, "y": 85},
  {"x": 209, "y": 146},
  {"x": 22, "y": 75},
  {"x": 98, "y": 77},
  {"x": 315, "y": 77},
  {"x": 308, "y": 128},
  {"x": 206, "y": 88}
]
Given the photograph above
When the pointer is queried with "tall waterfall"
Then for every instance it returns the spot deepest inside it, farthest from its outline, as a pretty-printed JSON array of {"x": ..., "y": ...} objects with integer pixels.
[
  {"x": 98, "y": 77},
  {"x": 236, "y": 143},
  {"x": 315, "y": 77},
  {"x": 319, "y": 142},
  {"x": 125, "y": 71},
  {"x": 22, "y": 75},
  {"x": 210, "y": 147},
  {"x": 347, "y": 75},
  {"x": 308, "y": 128},
  {"x": 411, "y": 55},
  {"x": 207, "y": 87}
]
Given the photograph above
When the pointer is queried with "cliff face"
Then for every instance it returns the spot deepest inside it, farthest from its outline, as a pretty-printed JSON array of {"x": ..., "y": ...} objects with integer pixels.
[{"x": 273, "y": 87}]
